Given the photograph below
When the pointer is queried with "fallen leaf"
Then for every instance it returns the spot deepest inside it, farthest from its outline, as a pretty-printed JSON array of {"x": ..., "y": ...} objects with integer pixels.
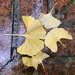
[
  {"x": 31, "y": 46},
  {"x": 48, "y": 21},
  {"x": 35, "y": 60},
  {"x": 34, "y": 27},
  {"x": 55, "y": 35},
  {"x": 35, "y": 32},
  {"x": 28, "y": 20}
]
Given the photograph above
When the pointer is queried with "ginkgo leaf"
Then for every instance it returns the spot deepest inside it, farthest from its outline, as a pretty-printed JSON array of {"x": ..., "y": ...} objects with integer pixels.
[
  {"x": 34, "y": 33},
  {"x": 55, "y": 35},
  {"x": 34, "y": 27},
  {"x": 31, "y": 46},
  {"x": 48, "y": 21},
  {"x": 28, "y": 20},
  {"x": 35, "y": 60}
]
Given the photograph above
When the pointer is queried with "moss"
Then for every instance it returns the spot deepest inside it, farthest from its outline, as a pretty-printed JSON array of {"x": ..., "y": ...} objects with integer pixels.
[
  {"x": 70, "y": 4},
  {"x": 70, "y": 24},
  {"x": 62, "y": 73},
  {"x": 1, "y": 15},
  {"x": 61, "y": 60}
]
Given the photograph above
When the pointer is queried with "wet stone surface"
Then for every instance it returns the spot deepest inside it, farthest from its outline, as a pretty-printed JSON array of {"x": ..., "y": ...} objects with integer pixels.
[
  {"x": 59, "y": 63},
  {"x": 52, "y": 66},
  {"x": 18, "y": 27},
  {"x": 5, "y": 28},
  {"x": 70, "y": 13},
  {"x": 33, "y": 7}
]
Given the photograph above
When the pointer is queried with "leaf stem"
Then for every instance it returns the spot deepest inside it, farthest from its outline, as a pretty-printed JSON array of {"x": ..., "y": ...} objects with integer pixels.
[
  {"x": 53, "y": 7},
  {"x": 62, "y": 44},
  {"x": 14, "y": 34}
]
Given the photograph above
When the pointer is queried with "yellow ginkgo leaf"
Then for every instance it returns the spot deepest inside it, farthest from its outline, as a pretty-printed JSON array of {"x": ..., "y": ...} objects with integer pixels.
[
  {"x": 34, "y": 27},
  {"x": 34, "y": 33},
  {"x": 48, "y": 21},
  {"x": 28, "y": 20},
  {"x": 31, "y": 46},
  {"x": 55, "y": 35},
  {"x": 35, "y": 60}
]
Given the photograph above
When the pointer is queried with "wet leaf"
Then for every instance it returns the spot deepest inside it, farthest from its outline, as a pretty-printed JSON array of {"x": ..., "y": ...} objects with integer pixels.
[
  {"x": 34, "y": 33},
  {"x": 35, "y": 60},
  {"x": 55, "y": 35},
  {"x": 48, "y": 21}
]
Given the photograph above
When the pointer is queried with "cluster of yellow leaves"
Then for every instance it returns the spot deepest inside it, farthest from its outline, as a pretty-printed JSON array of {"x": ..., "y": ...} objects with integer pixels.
[
  {"x": 36, "y": 37},
  {"x": 33, "y": 43}
]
